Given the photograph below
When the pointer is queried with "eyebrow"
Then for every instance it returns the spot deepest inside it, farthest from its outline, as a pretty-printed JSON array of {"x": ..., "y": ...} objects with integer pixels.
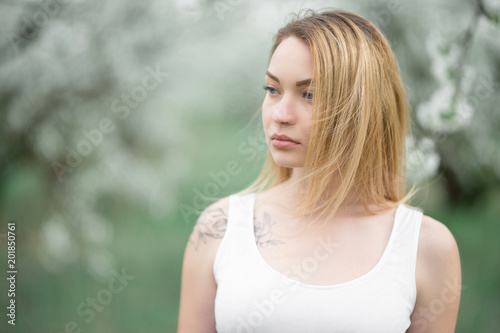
[{"x": 298, "y": 83}]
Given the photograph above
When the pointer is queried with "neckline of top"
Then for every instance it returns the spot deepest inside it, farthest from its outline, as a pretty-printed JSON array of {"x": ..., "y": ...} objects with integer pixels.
[{"x": 358, "y": 279}]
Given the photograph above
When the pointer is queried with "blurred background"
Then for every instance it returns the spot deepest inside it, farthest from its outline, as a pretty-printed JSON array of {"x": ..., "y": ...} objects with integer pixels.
[{"x": 118, "y": 119}]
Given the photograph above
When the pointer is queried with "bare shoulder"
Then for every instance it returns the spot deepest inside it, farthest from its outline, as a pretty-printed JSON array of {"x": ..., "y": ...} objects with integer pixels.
[
  {"x": 210, "y": 226},
  {"x": 198, "y": 287},
  {"x": 438, "y": 280},
  {"x": 437, "y": 246}
]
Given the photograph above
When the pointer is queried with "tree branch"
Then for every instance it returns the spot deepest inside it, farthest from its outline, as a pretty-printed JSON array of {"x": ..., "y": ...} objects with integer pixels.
[
  {"x": 483, "y": 11},
  {"x": 466, "y": 46}
]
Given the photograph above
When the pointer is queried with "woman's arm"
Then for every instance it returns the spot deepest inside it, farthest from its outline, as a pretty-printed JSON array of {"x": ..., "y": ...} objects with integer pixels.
[
  {"x": 438, "y": 278},
  {"x": 198, "y": 289}
]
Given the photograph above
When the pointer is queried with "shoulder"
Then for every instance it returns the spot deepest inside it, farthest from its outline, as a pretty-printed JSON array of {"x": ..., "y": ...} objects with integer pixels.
[
  {"x": 198, "y": 286},
  {"x": 437, "y": 247},
  {"x": 438, "y": 279},
  {"x": 211, "y": 225}
]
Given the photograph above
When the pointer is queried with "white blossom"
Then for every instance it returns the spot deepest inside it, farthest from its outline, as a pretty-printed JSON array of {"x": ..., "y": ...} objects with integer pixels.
[
  {"x": 438, "y": 114},
  {"x": 422, "y": 160}
]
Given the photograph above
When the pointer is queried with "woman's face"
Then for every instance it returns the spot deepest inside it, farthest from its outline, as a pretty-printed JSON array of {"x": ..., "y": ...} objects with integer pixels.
[{"x": 287, "y": 107}]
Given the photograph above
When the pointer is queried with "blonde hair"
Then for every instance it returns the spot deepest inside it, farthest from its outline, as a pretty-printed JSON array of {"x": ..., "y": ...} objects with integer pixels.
[{"x": 360, "y": 112}]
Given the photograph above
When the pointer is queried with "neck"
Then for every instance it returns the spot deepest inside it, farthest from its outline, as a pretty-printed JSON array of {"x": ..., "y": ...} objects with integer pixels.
[
  {"x": 289, "y": 191},
  {"x": 291, "y": 185}
]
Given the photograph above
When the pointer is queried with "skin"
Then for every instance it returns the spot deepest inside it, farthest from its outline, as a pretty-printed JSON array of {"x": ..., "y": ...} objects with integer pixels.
[{"x": 359, "y": 237}]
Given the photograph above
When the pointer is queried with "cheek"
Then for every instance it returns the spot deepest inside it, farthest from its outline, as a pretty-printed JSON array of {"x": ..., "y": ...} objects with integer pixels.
[{"x": 306, "y": 121}]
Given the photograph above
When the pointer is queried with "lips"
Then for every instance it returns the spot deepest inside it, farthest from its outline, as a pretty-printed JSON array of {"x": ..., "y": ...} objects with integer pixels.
[
  {"x": 283, "y": 141},
  {"x": 283, "y": 138}
]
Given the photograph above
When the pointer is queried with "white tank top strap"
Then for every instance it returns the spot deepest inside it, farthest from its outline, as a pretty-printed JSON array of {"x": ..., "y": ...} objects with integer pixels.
[
  {"x": 239, "y": 231},
  {"x": 401, "y": 256}
]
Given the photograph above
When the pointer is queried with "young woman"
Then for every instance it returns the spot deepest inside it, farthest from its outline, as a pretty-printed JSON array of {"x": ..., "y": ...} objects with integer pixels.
[{"x": 323, "y": 242}]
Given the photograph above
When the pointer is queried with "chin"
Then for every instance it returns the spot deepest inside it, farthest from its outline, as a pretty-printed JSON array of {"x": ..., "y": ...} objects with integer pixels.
[{"x": 288, "y": 161}]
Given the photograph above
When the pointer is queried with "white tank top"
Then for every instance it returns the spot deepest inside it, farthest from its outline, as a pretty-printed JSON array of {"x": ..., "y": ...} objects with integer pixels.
[{"x": 253, "y": 297}]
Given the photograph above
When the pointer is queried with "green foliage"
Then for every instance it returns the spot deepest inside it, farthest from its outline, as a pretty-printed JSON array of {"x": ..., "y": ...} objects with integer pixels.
[{"x": 116, "y": 114}]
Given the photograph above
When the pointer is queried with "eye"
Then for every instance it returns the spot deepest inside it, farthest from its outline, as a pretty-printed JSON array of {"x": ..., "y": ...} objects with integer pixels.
[
  {"x": 271, "y": 90},
  {"x": 308, "y": 95}
]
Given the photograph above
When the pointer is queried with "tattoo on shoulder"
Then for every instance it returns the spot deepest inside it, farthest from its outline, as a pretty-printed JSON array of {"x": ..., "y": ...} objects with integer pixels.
[
  {"x": 211, "y": 224},
  {"x": 262, "y": 228}
]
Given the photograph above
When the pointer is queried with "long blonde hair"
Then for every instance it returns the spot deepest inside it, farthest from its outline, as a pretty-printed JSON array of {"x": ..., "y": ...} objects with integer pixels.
[{"x": 360, "y": 112}]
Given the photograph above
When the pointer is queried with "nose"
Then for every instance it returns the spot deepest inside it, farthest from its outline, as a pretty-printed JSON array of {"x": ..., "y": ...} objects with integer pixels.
[{"x": 285, "y": 112}]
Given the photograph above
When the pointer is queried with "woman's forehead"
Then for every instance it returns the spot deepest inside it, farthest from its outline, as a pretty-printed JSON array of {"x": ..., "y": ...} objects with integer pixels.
[{"x": 291, "y": 61}]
